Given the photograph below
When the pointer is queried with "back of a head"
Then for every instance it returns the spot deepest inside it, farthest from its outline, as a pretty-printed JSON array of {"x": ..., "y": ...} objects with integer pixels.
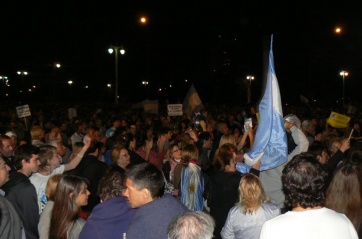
[
  {"x": 304, "y": 182},
  {"x": 227, "y": 138},
  {"x": 251, "y": 193},
  {"x": 52, "y": 186},
  {"x": 192, "y": 225},
  {"x": 46, "y": 152},
  {"x": 316, "y": 148},
  {"x": 305, "y": 123},
  {"x": 204, "y": 136},
  {"x": 189, "y": 152},
  {"x": 111, "y": 185},
  {"x": 342, "y": 194},
  {"x": 146, "y": 175}
]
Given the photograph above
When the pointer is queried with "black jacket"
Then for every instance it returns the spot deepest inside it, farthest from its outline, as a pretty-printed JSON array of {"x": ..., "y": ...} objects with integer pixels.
[
  {"x": 93, "y": 170},
  {"x": 21, "y": 192}
]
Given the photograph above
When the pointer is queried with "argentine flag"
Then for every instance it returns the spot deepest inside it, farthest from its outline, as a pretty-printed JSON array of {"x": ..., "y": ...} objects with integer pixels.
[{"x": 270, "y": 144}]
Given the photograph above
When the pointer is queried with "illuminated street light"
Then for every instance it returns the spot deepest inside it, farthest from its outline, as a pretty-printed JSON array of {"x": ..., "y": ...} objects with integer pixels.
[
  {"x": 115, "y": 49},
  {"x": 143, "y": 20},
  {"x": 5, "y": 81},
  {"x": 249, "y": 78},
  {"x": 343, "y": 74},
  {"x": 338, "y": 30},
  {"x": 70, "y": 82},
  {"x": 145, "y": 83},
  {"x": 22, "y": 73},
  {"x": 55, "y": 66}
]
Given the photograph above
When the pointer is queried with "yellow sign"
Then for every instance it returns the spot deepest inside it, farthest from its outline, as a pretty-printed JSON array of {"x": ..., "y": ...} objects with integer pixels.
[{"x": 337, "y": 120}]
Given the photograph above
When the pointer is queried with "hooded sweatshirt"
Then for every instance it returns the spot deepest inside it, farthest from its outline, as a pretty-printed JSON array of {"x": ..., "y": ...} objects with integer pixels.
[
  {"x": 109, "y": 219},
  {"x": 21, "y": 192}
]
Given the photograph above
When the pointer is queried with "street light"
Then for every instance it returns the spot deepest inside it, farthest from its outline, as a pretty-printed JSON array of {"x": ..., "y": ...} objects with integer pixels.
[
  {"x": 338, "y": 30},
  {"x": 115, "y": 49},
  {"x": 56, "y": 65},
  {"x": 249, "y": 78},
  {"x": 143, "y": 20},
  {"x": 5, "y": 81},
  {"x": 343, "y": 74},
  {"x": 145, "y": 83},
  {"x": 22, "y": 73}
]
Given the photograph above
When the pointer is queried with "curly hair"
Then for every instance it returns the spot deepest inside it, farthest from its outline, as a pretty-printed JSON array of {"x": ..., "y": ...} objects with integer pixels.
[
  {"x": 111, "y": 186},
  {"x": 304, "y": 182}
]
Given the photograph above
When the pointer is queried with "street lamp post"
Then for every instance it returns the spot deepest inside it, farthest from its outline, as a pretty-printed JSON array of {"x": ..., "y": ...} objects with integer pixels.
[
  {"x": 145, "y": 83},
  {"x": 22, "y": 73},
  {"x": 70, "y": 88},
  {"x": 5, "y": 81},
  {"x": 343, "y": 74},
  {"x": 249, "y": 78},
  {"x": 122, "y": 51},
  {"x": 56, "y": 65}
]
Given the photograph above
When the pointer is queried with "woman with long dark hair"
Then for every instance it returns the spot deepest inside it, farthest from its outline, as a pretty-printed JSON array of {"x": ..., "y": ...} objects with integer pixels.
[
  {"x": 71, "y": 194},
  {"x": 344, "y": 194}
]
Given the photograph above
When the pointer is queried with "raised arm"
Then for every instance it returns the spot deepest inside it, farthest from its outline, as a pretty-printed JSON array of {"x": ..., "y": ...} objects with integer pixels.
[{"x": 76, "y": 160}]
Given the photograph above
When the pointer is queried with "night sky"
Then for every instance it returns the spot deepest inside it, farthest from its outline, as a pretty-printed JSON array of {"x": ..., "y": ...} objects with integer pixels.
[{"x": 182, "y": 40}]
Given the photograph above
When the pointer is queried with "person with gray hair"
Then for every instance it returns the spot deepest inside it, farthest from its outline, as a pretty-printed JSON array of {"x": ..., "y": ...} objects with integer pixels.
[
  {"x": 309, "y": 130},
  {"x": 192, "y": 225}
]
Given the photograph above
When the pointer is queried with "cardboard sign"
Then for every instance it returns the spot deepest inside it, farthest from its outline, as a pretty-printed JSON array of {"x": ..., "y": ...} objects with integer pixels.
[
  {"x": 174, "y": 109},
  {"x": 23, "y": 111}
]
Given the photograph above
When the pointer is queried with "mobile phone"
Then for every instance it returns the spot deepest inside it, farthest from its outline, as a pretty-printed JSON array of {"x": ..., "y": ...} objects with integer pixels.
[{"x": 248, "y": 124}]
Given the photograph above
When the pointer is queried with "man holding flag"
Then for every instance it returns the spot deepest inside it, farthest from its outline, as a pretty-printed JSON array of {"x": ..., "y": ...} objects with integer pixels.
[{"x": 271, "y": 139}]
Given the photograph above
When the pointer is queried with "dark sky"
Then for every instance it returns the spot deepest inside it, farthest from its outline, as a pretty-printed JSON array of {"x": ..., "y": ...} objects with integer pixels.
[{"x": 178, "y": 43}]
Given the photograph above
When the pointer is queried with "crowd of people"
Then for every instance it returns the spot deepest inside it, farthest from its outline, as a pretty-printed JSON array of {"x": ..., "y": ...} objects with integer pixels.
[{"x": 124, "y": 173}]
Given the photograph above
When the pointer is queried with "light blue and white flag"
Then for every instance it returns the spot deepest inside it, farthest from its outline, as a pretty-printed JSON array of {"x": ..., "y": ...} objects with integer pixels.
[
  {"x": 192, "y": 102},
  {"x": 270, "y": 144}
]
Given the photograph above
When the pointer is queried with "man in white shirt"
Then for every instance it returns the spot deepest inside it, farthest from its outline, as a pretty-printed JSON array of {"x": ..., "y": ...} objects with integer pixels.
[
  {"x": 271, "y": 179},
  {"x": 304, "y": 184}
]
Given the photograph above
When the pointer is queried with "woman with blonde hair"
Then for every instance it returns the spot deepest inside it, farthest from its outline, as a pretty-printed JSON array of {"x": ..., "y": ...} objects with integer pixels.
[
  {"x": 223, "y": 190},
  {"x": 37, "y": 135},
  {"x": 173, "y": 157},
  {"x": 45, "y": 216},
  {"x": 253, "y": 209},
  {"x": 120, "y": 159}
]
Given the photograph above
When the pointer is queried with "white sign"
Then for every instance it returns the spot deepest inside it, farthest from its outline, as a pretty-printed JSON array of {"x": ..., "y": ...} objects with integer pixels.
[
  {"x": 174, "y": 109},
  {"x": 23, "y": 111},
  {"x": 72, "y": 112}
]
